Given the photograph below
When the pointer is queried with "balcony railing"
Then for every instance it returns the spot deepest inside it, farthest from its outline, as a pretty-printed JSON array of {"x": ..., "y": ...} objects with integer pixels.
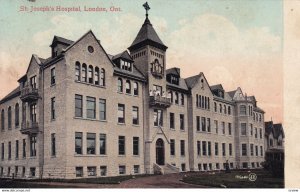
[
  {"x": 29, "y": 128},
  {"x": 159, "y": 101},
  {"x": 29, "y": 93}
]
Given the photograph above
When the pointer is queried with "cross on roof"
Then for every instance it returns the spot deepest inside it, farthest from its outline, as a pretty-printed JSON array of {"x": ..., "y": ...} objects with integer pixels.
[{"x": 146, "y": 6}]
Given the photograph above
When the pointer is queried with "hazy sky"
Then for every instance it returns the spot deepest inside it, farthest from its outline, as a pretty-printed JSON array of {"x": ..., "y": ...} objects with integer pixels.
[{"x": 236, "y": 43}]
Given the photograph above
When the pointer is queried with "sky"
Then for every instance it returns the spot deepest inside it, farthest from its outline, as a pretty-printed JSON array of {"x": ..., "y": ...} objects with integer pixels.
[{"x": 237, "y": 43}]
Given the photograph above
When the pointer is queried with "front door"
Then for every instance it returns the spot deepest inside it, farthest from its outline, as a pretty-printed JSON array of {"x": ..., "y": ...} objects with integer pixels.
[{"x": 160, "y": 152}]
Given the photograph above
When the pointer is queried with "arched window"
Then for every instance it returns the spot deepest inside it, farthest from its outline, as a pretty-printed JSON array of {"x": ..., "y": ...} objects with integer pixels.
[
  {"x": 2, "y": 119},
  {"x": 102, "y": 77},
  {"x": 260, "y": 118},
  {"x": 215, "y": 106},
  {"x": 84, "y": 72},
  {"x": 96, "y": 76},
  {"x": 220, "y": 108},
  {"x": 9, "y": 117},
  {"x": 17, "y": 112},
  {"x": 135, "y": 88},
  {"x": 120, "y": 85},
  {"x": 77, "y": 71},
  {"x": 225, "y": 111},
  {"x": 128, "y": 87},
  {"x": 90, "y": 74},
  {"x": 229, "y": 110},
  {"x": 182, "y": 99}
]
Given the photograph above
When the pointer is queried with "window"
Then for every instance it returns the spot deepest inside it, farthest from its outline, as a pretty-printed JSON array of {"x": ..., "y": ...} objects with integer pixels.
[
  {"x": 103, "y": 170},
  {"x": 243, "y": 129},
  {"x": 229, "y": 128},
  {"x": 91, "y": 107},
  {"x": 2, "y": 151},
  {"x": 90, "y": 49},
  {"x": 230, "y": 149},
  {"x": 2, "y": 120},
  {"x": 121, "y": 113},
  {"x": 260, "y": 117},
  {"x": 17, "y": 149},
  {"x": 53, "y": 76},
  {"x": 215, "y": 106},
  {"x": 182, "y": 99},
  {"x": 102, "y": 109},
  {"x": 203, "y": 124},
  {"x": 135, "y": 115},
  {"x": 225, "y": 111},
  {"x": 91, "y": 171},
  {"x": 17, "y": 112},
  {"x": 251, "y": 129},
  {"x": 158, "y": 90},
  {"x": 251, "y": 149},
  {"x": 216, "y": 126},
  {"x": 23, "y": 171},
  {"x": 220, "y": 108},
  {"x": 33, "y": 113},
  {"x": 135, "y": 145},
  {"x": 122, "y": 169},
  {"x": 261, "y": 151},
  {"x": 208, "y": 103},
  {"x": 223, "y": 149},
  {"x": 9, "y": 117},
  {"x": 271, "y": 142},
  {"x": 260, "y": 133},
  {"x": 77, "y": 71},
  {"x": 32, "y": 171},
  {"x": 79, "y": 171},
  {"x": 176, "y": 98},
  {"x": 172, "y": 147},
  {"x": 181, "y": 116},
  {"x": 158, "y": 117},
  {"x": 91, "y": 143},
  {"x": 136, "y": 169},
  {"x": 209, "y": 148},
  {"x": 96, "y": 76},
  {"x": 135, "y": 88},
  {"x": 102, "y": 144},
  {"x": 78, "y": 105},
  {"x": 216, "y": 149},
  {"x": 170, "y": 96},
  {"x": 208, "y": 125},
  {"x": 244, "y": 149},
  {"x": 24, "y": 148},
  {"x": 102, "y": 77},
  {"x": 255, "y": 132},
  {"x": 198, "y": 123},
  {"x": 256, "y": 150},
  {"x": 33, "y": 146},
  {"x": 199, "y": 166},
  {"x": 182, "y": 147},
  {"x": 223, "y": 128},
  {"x": 243, "y": 110},
  {"x": 198, "y": 148},
  {"x": 84, "y": 73},
  {"x": 9, "y": 150},
  {"x": 33, "y": 82},
  {"x": 183, "y": 167},
  {"x": 128, "y": 87},
  {"x": 172, "y": 121},
  {"x": 91, "y": 74},
  {"x": 217, "y": 166},
  {"x": 53, "y": 144},
  {"x": 120, "y": 85},
  {"x": 78, "y": 143},
  {"x": 204, "y": 148},
  {"x": 229, "y": 110},
  {"x": 53, "y": 108},
  {"x": 121, "y": 145}
]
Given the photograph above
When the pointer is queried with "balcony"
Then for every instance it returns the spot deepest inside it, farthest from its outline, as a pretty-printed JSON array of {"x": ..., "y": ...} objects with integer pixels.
[
  {"x": 29, "y": 128},
  {"x": 159, "y": 101},
  {"x": 29, "y": 94}
]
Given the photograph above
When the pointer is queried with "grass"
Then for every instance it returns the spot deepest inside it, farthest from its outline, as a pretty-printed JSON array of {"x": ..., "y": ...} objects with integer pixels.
[
  {"x": 36, "y": 183},
  {"x": 230, "y": 180}
]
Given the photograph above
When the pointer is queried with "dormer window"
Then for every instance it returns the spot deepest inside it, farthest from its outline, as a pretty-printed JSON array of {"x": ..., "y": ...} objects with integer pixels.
[
  {"x": 174, "y": 80},
  {"x": 125, "y": 65}
]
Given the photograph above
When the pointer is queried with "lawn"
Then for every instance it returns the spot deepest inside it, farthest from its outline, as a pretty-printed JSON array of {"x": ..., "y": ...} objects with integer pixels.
[{"x": 236, "y": 179}]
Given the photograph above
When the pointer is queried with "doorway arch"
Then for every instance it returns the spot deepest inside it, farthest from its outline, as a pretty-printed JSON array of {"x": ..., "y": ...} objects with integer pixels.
[{"x": 160, "y": 152}]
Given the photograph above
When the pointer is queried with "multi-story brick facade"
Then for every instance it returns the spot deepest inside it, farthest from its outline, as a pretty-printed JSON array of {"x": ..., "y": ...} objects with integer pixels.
[{"x": 85, "y": 113}]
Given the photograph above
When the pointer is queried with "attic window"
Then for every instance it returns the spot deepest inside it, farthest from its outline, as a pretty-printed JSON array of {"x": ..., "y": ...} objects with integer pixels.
[{"x": 90, "y": 49}]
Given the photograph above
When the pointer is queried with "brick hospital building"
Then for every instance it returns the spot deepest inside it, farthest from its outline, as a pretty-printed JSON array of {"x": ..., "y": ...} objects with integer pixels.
[{"x": 85, "y": 113}]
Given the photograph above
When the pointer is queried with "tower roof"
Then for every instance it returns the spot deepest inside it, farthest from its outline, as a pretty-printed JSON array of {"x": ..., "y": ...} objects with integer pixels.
[{"x": 147, "y": 36}]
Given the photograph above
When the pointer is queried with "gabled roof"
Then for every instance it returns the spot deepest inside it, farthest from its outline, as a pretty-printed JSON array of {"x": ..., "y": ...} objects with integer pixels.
[
  {"x": 252, "y": 98},
  {"x": 147, "y": 35},
  {"x": 14, "y": 93},
  {"x": 124, "y": 55},
  {"x": 231, "y": 93},
  {"x": 218, "y": 86},
  {"x": 276, "y": 129},
  {"x": 174, "y": 71},
  {"x": 191, "y": 81},
  {"x": 62, "y": 40}
]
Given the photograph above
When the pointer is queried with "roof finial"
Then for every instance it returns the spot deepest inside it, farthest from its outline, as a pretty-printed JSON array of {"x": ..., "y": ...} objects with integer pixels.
[{"x": 146, "y": 6}]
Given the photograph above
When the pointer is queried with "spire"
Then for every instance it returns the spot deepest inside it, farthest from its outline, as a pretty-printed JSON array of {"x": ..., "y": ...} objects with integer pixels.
[{"x": 147, "y": 35}]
